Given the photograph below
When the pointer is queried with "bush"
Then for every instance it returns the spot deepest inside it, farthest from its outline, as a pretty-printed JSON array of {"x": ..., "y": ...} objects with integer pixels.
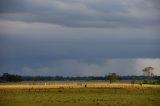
[
  {"x": 151, "y": 82},
  {"x": 158, "y": 81}
]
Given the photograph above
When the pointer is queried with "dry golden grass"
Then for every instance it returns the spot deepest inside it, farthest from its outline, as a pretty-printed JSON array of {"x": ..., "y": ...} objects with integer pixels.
[{"x": 73, "y": 84}]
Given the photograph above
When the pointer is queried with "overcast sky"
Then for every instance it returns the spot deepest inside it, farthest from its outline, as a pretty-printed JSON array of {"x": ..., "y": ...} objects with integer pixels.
[{"x": 79, "y": 37}]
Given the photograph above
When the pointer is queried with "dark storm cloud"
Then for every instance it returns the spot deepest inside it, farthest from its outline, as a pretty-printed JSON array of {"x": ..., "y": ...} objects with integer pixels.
[
  {"x": 38, "y": 37},
  {"x": 18, "y": 53},
  {"x": 82, "y": 13},
  {"x": 155, "y": 4}
]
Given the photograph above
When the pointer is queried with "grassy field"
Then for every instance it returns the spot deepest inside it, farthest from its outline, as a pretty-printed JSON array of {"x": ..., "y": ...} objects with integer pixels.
[
  {"x": 74, "y": 84},
  {"x": 90, "y": 96}
]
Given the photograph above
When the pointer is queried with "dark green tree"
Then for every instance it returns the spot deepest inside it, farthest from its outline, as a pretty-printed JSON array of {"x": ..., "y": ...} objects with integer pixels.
[
  {"x": 88, "y": 78},
  {"x": 148, "y": 71},
  {"x": 112, "y": 77}
]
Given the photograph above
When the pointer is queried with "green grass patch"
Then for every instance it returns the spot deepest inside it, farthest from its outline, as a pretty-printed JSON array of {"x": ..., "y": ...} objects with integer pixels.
[
  {"x": 151, "y": 82},
  {"x": 80, "y": 97}
]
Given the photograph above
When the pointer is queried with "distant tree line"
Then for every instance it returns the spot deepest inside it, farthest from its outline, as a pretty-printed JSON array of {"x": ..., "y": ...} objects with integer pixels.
[
  {"x": 86, "y": 78},
  {"x": 60, "y": 78},
  {"x": 111, "y": 77},
  {"x": 147, "y": 78},
  {"x": 10, "y": 78}
]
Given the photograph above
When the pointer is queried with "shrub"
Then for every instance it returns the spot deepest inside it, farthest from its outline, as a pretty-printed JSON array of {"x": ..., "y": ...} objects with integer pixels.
[{"x": 151, "y": 82}]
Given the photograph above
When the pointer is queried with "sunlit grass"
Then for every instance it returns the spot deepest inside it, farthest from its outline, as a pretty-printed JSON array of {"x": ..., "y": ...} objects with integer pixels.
[{"x": 79, "y": 97}]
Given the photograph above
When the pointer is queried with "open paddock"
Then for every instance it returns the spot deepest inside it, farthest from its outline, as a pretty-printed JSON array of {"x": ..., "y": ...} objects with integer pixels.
[
  {"x": 80, "y": 97},
  {"x": 73, "y": 84}
]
